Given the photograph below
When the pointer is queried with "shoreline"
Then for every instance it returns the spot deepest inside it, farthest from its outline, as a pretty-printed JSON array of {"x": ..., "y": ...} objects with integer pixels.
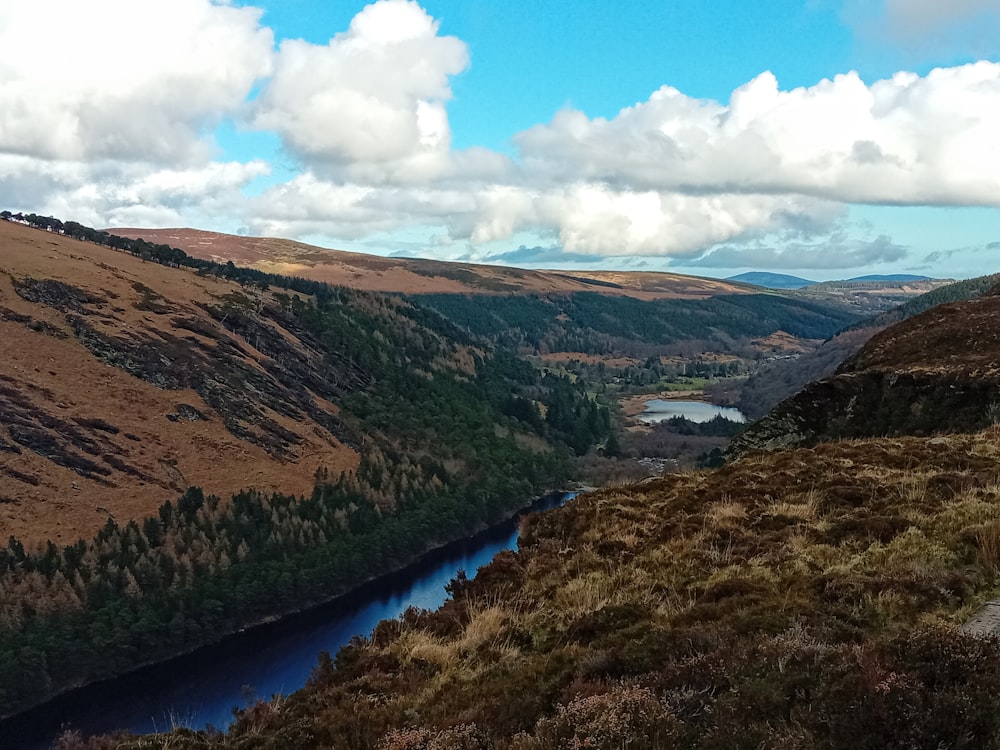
[{"x": 558, "y": 497}]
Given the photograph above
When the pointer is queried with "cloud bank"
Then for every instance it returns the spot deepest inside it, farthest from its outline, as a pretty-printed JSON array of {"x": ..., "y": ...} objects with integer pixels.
[{"x": 123, "y": 134}]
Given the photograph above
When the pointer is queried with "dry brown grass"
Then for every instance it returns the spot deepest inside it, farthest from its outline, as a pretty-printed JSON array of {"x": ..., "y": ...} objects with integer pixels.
[
  {"x": 50, "y": 371},
  {"x": 414, "y": 276}
]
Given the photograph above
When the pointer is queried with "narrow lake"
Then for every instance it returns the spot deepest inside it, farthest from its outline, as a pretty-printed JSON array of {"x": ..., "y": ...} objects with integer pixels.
[
  {"x": 202, "y": 688},
  {"x": 658, "y": 410}
]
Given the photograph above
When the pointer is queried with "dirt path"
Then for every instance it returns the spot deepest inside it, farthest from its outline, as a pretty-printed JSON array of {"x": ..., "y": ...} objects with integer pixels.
[{"x": 986, "y": 622}]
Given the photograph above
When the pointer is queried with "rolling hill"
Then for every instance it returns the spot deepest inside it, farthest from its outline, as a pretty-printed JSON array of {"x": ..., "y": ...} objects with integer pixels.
[
  {"x": 935, "y": 372},
  {"x": 771, "y": 280},
  {"x": 122, "y": 385},
  {"x": 777, "y": 380},
  {"x": 419, "y": 276},
  {"x": 795, "y": 598},
  {"x": 186, "y": 449}
]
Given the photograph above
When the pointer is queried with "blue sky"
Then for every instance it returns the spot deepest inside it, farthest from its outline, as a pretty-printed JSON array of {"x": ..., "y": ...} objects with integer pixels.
[{"x": 696, "y": 136}]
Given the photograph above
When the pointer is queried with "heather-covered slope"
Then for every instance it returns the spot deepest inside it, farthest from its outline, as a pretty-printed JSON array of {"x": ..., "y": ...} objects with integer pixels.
[
  {"x": 778, "y": 380},
  {"x": 936, "y": 372},
  {"x": 124, "y": 382},
  {"x": 794, "y": 600}
]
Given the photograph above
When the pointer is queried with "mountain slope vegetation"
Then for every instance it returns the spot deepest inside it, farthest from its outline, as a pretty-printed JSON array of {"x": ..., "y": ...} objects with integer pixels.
[
  {"x": 418, "y": 276},
  {"x": 804, "y": 598},
  {"x": 797, "y": 598},
  {"x": 125, "y": 381},
  {"x": 776, "y": 381},
  {"x": 386, "y": 430},
  {"x": 935, "y": 372},
  {"x": 593, "y": 323}
]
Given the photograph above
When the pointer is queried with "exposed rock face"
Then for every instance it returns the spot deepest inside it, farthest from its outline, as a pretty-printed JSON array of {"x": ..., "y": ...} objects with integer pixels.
[{"x": 937, "y": 372}]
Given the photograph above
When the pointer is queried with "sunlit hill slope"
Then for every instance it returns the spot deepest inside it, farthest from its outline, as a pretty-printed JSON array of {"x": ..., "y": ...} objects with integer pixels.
[
  {"x": 124, "y": 382},
  {"x": 799, "y": 598}
]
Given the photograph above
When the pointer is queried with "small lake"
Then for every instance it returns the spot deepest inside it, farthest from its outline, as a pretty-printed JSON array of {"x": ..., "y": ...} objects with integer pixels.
[
  {"x": 203, "y": 687},
  {"x": 658, "y": 410}
]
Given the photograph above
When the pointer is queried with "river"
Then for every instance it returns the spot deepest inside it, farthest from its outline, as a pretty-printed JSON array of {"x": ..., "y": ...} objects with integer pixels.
[
  {"x": 203, "y": 687},
  {"x": 659, "y": 410}
]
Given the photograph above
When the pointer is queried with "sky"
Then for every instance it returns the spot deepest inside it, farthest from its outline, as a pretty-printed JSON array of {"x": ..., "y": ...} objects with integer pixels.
[{"x": 821, "y": 138}]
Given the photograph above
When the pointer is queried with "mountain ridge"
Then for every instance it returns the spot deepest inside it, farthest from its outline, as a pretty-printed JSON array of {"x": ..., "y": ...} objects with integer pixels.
[
  {"x": 419, "y": 276},
  {"x": 771, "y": 280}
]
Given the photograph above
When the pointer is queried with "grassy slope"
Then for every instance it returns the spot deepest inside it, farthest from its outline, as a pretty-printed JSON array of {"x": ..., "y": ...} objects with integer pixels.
[
  {"x": 415, "y": 275},
  {"x": 798, "y": 599},
  {"x": 81, "y": 440}
]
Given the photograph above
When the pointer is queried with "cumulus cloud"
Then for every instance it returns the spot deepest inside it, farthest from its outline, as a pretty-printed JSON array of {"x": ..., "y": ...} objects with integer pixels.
[
  {"x": 585, "y": 219},
  {"x": 141, "y": 80},
  {"x": 903, "y": 140},
  {"x": 670, "y": 176},
  {"x": 115, "y": 133},
  {"x": 371, "y": 103},
  {"x": 107, "y": 108},
  {"x": 111, "y": 193}
]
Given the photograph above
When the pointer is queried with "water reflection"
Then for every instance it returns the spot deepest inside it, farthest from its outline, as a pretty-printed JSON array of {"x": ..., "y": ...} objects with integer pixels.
[
  {"x": 659, "y": 410},
  {"x": 203, "y": 688}
]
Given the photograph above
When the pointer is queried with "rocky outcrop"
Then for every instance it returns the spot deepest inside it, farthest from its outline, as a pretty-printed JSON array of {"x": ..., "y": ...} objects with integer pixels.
[{"x": 938, "y": 372}]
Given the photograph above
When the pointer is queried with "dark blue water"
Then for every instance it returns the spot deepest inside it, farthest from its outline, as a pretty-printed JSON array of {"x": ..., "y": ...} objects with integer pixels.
[{"x": 204, "y": 687}]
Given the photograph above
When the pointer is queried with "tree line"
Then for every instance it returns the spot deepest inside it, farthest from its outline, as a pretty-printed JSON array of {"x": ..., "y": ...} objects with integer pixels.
[{"x": 456, "y": 432}]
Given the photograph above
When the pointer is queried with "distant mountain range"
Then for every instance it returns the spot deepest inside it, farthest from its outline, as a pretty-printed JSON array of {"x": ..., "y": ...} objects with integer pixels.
[
  {"x": 785, "y": 281},
  {"x": 771, "y": 280},
  {"x": 891, "y": 277}
]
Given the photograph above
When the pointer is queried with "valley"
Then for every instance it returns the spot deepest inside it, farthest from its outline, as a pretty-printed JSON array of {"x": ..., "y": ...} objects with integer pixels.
[
  {"x": 795, "y": 597},
  {"x": 380, "y": 424}
]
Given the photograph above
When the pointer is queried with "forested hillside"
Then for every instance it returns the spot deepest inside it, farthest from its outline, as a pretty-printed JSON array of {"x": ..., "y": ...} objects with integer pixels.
[
  {"x": 593, "y": 323},
  {"x": 799, "y": 598},
  {"x": 445, "y": 434}
]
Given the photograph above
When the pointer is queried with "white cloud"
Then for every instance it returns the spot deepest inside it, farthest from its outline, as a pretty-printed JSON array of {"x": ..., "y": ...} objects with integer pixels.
[
  {"x": 585, "y": 218},
  {"x": 119, "y": 132},
  {"x": 908, "y": 139},
  {"x": 673, "y": 176},
  {"x": 107, "y": 108},
  {"x": 141, "y": 80},
  {"x": 109, "y": 193},
  {"x": 371, "y": 103}
]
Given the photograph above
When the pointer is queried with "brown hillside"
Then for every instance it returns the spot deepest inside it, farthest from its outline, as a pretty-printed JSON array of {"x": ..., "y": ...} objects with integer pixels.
[
  {"x": 416, "y": 276},
  {"x": 119, "y": 387},
  {"x": 961, "y": 339},
  {"x": 936, "y": 372}
]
